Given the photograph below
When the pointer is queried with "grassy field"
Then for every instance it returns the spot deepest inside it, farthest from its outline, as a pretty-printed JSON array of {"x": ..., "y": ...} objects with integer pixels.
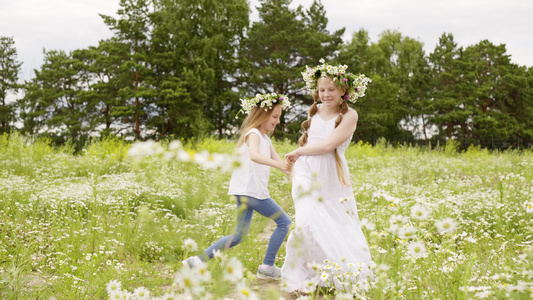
[{"x": 99, "y": 224}]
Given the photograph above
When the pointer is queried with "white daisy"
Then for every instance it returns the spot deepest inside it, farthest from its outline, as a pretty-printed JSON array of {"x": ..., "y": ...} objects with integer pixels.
[
  {"x": 203, "y": 272},
  {"x": 190, "y": 245},
  {"x": 113, "y": 286},
  {"x": 447, "y": 225},
  {"x": 529, "y": 206},
  {"x": 245, "y": 292},
  {"x": 174, "y": 145},
  {"x": 324, "y": 276},
  {"x": 233, "y": 270},
  {"x": 418, "y": 211},
  {"x": 115, "y": 295},
  {"x": 416, "y": 249},
  {"x": 407, "y": 232},
  {"x": 141, "y": 293},
  {"x": 186, "y": 279},
  {"x": 367, "y": 224},
  {"x": 171, "y": 296}
]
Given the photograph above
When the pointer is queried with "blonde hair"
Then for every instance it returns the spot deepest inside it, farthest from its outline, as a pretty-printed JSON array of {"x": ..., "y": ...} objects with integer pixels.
[
  {"x": 257, "y": 116},
  {"x": 343, "y": 178}
]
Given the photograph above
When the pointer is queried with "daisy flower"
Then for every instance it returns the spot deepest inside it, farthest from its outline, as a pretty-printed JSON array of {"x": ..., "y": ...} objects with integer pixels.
[
  {"x": 172, "y": 296},
  {"x": 113, "y": 286},
  {"x": 190, "y": 245},
  {"x": 141, "y": 293},
  {"x": 416, "y": 249},
  {"x": 418, "y": 211},
  {"x": 407, "y": 232},
  {"x": 324, "y": 276},
  {"x": 203, "y": 273},
  {"x": 233, "y": 270},
  {"x": 147, "y": 148},
  {"x": 529, "y": 206},
  {"x": 448, "y": 225},
  {"x": 310, "y": 285},
  {"x": 186, "y": 279},
  {"x": 367, "y": 224},
  {"x": 217, "y": 254},
  {"x": 116, "y": 295},
  {"x": 245, "y": 292}
]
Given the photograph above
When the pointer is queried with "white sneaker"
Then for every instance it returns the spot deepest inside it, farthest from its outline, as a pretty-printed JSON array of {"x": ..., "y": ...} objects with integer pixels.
[
  {"x": 192, "y": 262},
  {"x": 270, "y": 273}
]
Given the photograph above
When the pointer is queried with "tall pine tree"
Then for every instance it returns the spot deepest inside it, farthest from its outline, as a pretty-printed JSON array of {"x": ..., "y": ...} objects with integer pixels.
[
  {"x": 132, "y": 31},
  {"x": 490, "y": 70},
  {"x": 9, "y": 71},
  {"x": 51, "y": 105},
  {"x": 202, "y": 37},
  {"x": 449, "y": 101},
  {"x": 279, "y": 46}
]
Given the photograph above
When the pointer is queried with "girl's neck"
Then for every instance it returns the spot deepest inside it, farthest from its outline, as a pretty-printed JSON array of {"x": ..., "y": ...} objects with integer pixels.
[
  {"x": 261, "y": 130},
  {"x": 328, "y": 111}
]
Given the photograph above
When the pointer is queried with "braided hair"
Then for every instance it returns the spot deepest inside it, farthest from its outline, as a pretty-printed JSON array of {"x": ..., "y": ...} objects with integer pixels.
[{"x": 343, "y": 178}]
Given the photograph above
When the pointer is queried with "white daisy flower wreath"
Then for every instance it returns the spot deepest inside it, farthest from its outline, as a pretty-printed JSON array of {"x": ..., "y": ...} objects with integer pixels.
[
  {"x": 264, "y": 100},
  {"x": 355, "y": 84}
]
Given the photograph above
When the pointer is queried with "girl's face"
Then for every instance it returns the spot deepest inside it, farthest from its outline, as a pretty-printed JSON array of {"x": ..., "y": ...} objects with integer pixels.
[
  {"x": 328, "y": 92},
  {"x": 273, "y": 120}
]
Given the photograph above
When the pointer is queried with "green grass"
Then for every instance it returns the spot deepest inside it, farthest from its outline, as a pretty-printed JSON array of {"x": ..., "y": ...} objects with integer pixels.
[{"x": 71, "y": 223}]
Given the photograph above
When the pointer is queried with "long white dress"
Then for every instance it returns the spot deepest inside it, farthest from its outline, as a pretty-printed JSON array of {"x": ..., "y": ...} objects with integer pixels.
[{"x": 327, "y": 245}]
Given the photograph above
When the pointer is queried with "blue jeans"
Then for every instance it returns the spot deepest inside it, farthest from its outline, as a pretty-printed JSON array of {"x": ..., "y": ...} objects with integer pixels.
[{"x": 245, "y": 210}]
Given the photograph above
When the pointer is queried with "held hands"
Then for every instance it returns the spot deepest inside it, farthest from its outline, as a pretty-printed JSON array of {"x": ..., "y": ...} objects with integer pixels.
[
  {"x": 292, "y": 156},
  {"x": 285, "y": 167}
]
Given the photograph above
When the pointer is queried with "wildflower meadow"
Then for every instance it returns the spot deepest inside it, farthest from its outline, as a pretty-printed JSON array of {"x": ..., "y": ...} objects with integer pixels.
[{"x": 115, "y": 220}]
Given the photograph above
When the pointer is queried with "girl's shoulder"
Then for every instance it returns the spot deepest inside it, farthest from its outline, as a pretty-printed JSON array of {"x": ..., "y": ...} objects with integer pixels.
[
  {"x": 253, "y": 130},
  {"x": 350, "y": 116},
  {"x": 351, "y": 112},
  {"x": 256, "y": 131}
]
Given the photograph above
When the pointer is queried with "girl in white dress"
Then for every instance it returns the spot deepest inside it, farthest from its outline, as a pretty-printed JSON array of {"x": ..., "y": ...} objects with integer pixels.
[{"x": 327, "y": 246}]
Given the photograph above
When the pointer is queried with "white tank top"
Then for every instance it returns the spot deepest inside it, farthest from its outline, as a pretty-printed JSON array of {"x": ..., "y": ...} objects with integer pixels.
[{"x": 252, "y": 178}]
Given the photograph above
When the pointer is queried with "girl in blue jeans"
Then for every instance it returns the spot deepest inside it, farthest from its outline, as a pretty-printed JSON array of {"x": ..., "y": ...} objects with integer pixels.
[{"x": 249, "y": 183}]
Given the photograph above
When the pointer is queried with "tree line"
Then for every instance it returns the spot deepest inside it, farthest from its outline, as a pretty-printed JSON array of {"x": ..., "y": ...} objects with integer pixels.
[{"x": 176, "y": 69}]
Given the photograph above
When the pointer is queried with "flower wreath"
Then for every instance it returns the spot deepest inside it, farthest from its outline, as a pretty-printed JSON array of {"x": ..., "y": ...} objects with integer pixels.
[
  {"x": 355, "y": 84},
  {"x": 265, "y": 100}
]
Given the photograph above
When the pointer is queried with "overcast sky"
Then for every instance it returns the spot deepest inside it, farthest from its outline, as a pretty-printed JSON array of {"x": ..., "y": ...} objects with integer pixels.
[{"x": 75, "y": 24}]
